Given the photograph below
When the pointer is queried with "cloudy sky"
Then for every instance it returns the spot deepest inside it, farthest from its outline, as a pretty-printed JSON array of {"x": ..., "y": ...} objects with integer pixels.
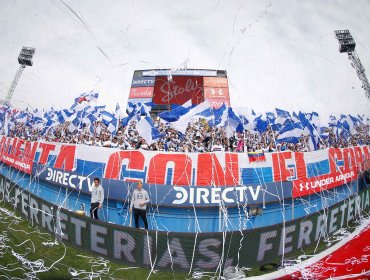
[{"x": 277, "y": 54}]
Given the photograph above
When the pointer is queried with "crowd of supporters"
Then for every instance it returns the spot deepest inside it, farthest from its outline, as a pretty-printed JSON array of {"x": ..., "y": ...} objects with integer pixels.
[{"x": 199, "y": 137}]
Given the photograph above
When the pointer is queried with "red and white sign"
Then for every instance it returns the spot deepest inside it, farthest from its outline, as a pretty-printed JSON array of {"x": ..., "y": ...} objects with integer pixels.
[
  {"x": 178, "y": 90},
  {"x": 20, "y": 154},
  {"x": 218, "y": 102},
  {"x": 215, "y": 82},
  {"x": 141, "y": 92},
  {"x": 210, "y": 92},
  {"x": 318, "y": 184}
]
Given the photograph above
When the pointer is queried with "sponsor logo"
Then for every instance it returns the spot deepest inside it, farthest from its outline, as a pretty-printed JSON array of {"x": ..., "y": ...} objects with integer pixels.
[
  {"x": 67, "y": 179},
  {"x": 141, "y": 92},
  {"x": 216, "y": 92},
  {"x": 190, "y": 86},
  {"x": 325, "y": 182},
  {"x": 16, "y": 163},
  {"x": 199, "y": 195},
  {"x": 215, "y": 82},
  {"x": 143, "y": 82}
]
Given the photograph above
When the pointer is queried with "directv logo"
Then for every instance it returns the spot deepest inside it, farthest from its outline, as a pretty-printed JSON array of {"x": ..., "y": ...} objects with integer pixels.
[
  {"x": 199, "y": 195},
  {"x": 143, "y": 82}
]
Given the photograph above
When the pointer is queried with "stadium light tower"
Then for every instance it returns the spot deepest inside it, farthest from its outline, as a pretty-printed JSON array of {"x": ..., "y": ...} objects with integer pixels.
[
  {"x": 348, "y": 45},
  {"x": 24, "y": 59}
]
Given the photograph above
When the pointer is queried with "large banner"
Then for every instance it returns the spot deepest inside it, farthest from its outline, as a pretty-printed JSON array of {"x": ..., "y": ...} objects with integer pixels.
[
  {"x": 216, "y": 91},
  {"x": 185, "y": 251},
  {"x": 178, "y": 90},
  {"x": 187, "y": 179}
]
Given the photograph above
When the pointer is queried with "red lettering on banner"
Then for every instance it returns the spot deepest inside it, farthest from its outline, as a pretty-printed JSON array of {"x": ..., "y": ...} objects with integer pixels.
[
  {"x": 181, "y": 170},
  {"x": 46, "y": 148},
  {"x": 135, "y": 161},
  {"x": 7, "y": 145},
  {"x": 348, "y": 159},
  {"x": 367, "y": 157},
  {"x": 2, "y": 145},
  {"x": 210, "y": 171},
  {"x": 14, "y": 147},
  {"x": 359, "y": 159},
  {"x": 281, "y": 172},
  {"x": 30, "y": 151},
  {"x": 300, "y": 165},
  {"x": 66, "y": 158},
  {"x": 21, "y": 159},
  {"x": 334, "y": 153},
  {"x": 18, "y": 151},
  {"x": 7, "y": 152}
]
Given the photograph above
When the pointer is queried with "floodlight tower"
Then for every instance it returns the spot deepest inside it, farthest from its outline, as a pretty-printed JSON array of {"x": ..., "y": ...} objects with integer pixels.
[
  {"x": 24, "y": 59},
  {"x": 347, "y": 45}
]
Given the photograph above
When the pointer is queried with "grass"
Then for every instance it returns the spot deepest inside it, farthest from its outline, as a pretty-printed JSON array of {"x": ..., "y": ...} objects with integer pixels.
[{"x": 40, "y": 251}]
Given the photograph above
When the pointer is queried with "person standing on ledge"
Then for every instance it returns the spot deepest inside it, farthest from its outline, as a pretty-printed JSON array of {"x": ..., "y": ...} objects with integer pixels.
[
  {"x": 97, "y": 198},
  {"x": 139, "y": 200}
]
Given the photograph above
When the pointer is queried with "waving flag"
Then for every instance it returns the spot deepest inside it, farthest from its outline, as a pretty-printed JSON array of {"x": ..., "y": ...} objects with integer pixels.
[
  {"x": 113, "y": 126},
  {"x": 176, "y": 113},
  {"x": 281, "y": 119},
  {"x": 91, "y": 96},
  {"x": 146, "y": 129},
  {"x": 313, "y": 130},
  {"x": 21, "y": 117},
  {"x": 230, "y": 121},
  {"x": 260, "y": 123},
  {"x": 219, "y": 116},
  {"x": 64, "y": 115},
  {"x": 182, "y": 123},
  {"x": 107, "y": 117},
  {"x": 291, "y": 133}
]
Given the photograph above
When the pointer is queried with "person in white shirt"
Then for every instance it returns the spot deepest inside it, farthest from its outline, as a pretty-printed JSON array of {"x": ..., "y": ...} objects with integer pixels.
[
  {"x": 217, "y": 147},
  {"x": 114, "y": 143},
  {"x": 107, "y": 143},
  {"x": 97, "y": 198},
  {"x": 199, "y": 148},
  {"x": 88, "y": 141},
  {"x": 139, "y": 200}
]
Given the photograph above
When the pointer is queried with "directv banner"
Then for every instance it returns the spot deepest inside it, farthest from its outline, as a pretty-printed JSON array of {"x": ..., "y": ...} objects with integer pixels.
[
  {"x": 184, "y": 251},
  {"x": 143, "y": 82},
  {"x": 165, "y": 195}
]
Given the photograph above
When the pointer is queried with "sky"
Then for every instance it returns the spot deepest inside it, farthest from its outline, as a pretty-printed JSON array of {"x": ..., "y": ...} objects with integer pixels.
[{"x": 278, "y": 54}]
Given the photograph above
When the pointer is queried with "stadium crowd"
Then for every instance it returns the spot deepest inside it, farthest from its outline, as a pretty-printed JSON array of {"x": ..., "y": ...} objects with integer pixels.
[{"x": 199, "y": 137}]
